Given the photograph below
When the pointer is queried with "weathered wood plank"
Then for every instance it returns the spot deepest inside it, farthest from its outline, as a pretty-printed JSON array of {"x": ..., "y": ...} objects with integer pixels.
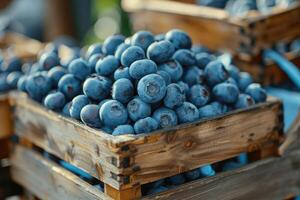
[
  {"x": 273, "y": 178},
  {"x": 160, "y": 155},
  {"x": 133, "y": 193},
  {"x": 6, "y": 127},
  {"x": 46, "y": 180}
]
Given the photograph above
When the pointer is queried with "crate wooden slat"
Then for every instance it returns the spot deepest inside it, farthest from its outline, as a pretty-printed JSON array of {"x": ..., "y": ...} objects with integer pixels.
[
  {"x": 5, "y": 117},
  {"x": 47, "y": 180},
  {"x": 214, "y": 27},
  {"x": 126, "y": 161}
]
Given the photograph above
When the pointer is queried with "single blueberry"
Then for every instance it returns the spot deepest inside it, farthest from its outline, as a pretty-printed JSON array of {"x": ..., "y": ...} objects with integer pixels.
[
  {"x": 56, "y": 73},
  {"x": 122, "y": 72},
  {"x": 193, "y": 75},
  {"x": 97, "y": 88},
  {"x": 177, "y": 179},
  {"x": 113, "y": 113},
  {"x": 48, "y": 61},
  {"x": 93, "y": 61},
  {"x": 208, "y": 111},
  {"x": 207, "y": 170},
  {"x": 226, "y": 93},
  {"x": 107, "y": 65},
  {"x": 11, "y": 64},
  {"x": 192, "y": 175},
  {"x": 94, "y": 49},
  {"x": 179, "y": 38},
  {"x": 142, "y": 39},
  {"x": 55, "y": 101},
  {"x": 79, "y": 68},
  {"x": 132, "y": 54},
  {"x": 141, "y": 68},
  {"x": 111, "y": 44},
  {"x": 160, "y": 52},
  {"x": 69, "y": 86},
  {"x": 22, "y": 83},
  {"x": 66, "y": 109},
  {"x": 122, "y": 90},
  {"x": 187, "y": 112},
  {"x": 165, "y": 117},
  {"x": 256, "y": 92},
  {"x": 244, "y": 81},
  {"x": 234, "y": 72},
  {"x": 145, "y": 125},
  {"x": 202, "y": 59},
  {"x": 13, "y": 78},
  {"x": 165, "y": 76},
  {"x": 38, "y": 86},
  {"x": 244, "y": 101},
  {"x": 215, "y": 73},
  {"x": 77, "y": 104},
  {"x": 199, "y": 95},
  {"x": 137, "y": 109},
  {"x": 173, "y": 68},
  {"x": 151, "y": 88},
  {"x": 120, "y": 50},
  {"x": 185, "y": 57},
  {"x": 4, "y": 87},
  {"x": 89, "y": 115},
  {"x": 175, "y": 96},
  {"x": 123, "y": 129}
]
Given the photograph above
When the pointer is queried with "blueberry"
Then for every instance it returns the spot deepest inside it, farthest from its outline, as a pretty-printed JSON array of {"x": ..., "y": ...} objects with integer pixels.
[
  {"x": 199, "y": 95},
  {"x": 21, "y": 85},
  {"x": 3, "y": 83},
  {"x": 175, "y": 96},
  {"x": 215, "y": 73},
  {"x": 179, "y": 38},
  {"x": 107, "y": 129},
  {"x": 192, "y": 175},
  {"x": 123, "y": 129},
  {"x": 79, "y": 68},
  {"x": 141, "y": 68},
  {"x": 232, "y": 81},
  {"x": 202, "y": 59},
  {"x": 111, "y": 44},
  {"x": 295, "y": 45},
  {"x": 208, "y": 111},
  {"x": 207, "y": 170},
  {"x": 177, "y": 179},
  {"x": 13, "y": 78},
  {"x": 103, "y": 101},
  {"x": 55, "y": 101},
  {"x": 173, "y": 68},
  {"x": 93, "y": 61},
  {"x": 165, "y": 76},
  {"x": 122, "y": 72},
  {"x": 226, "y": 93},
  {"x": 56, "y": 73},
  {"x": 93, "y": 49},
  {"x": 121, "y": 48},
  {"x": 184, "y": 57},
  {"x": 185, "y": 86},
  {"x": 159, "y": 37},
  {"x": 244, "y": 81},
  {"x": 11, "y": 64},
  {"x": 151, "y": 88},
  {"x": 220, "y": 108},
  {"x": 38, "y": 86},
  {"x": 256, "y": 92},
  {"x": 66, "y": 109},
  {"x": 69, "y": 86},
  {"x": 137, "y": 109},
  {"x": 26, "y": 67},
  {"x": 160, "y": 52},
  {"x": 89, "y": 115},
  {"x": 113, "y": 113},
  {"x": 193, "y": 75},
  {"x": 145, "y": 125},
  {"x": 97, "y": 88},
  {"x": 122, "y": 90},
  {"x": 244, "y": 101},
  {"x": 234, "y": 72},
  {"x": 35, "y": 68},
  {"x": 77, "y": 104},
  {"x": 197, "y": 49},
  {"x": 107, "y": 65},
  {"x": 142, "y": 39},
  {"x": 187, "y": 112},
  {"x": 132, "y": 54},
  {"x": 48, "y": 61},
  {"x": 165, "y": 117}
]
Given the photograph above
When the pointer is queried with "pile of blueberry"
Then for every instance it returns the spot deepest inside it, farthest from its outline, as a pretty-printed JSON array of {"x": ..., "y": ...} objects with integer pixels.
[{"x": 139, "y": 84}]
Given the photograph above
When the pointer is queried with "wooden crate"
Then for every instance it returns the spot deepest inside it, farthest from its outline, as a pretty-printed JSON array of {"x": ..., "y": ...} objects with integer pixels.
[
  {"x": 213, "y": 27},
  {"x": 6, "y": 127},
  {"x": 124, "y": 163}
]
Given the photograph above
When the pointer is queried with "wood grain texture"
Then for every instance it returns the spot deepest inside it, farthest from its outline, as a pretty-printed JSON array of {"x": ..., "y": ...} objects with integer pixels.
[
  {"x": 6, "y": 126},
  {"x": 273, "y": 178},
  {"x": 133, "y": 193},
  {"x": 126, "y": 161},
  {"x": 47, "y": 180}
]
